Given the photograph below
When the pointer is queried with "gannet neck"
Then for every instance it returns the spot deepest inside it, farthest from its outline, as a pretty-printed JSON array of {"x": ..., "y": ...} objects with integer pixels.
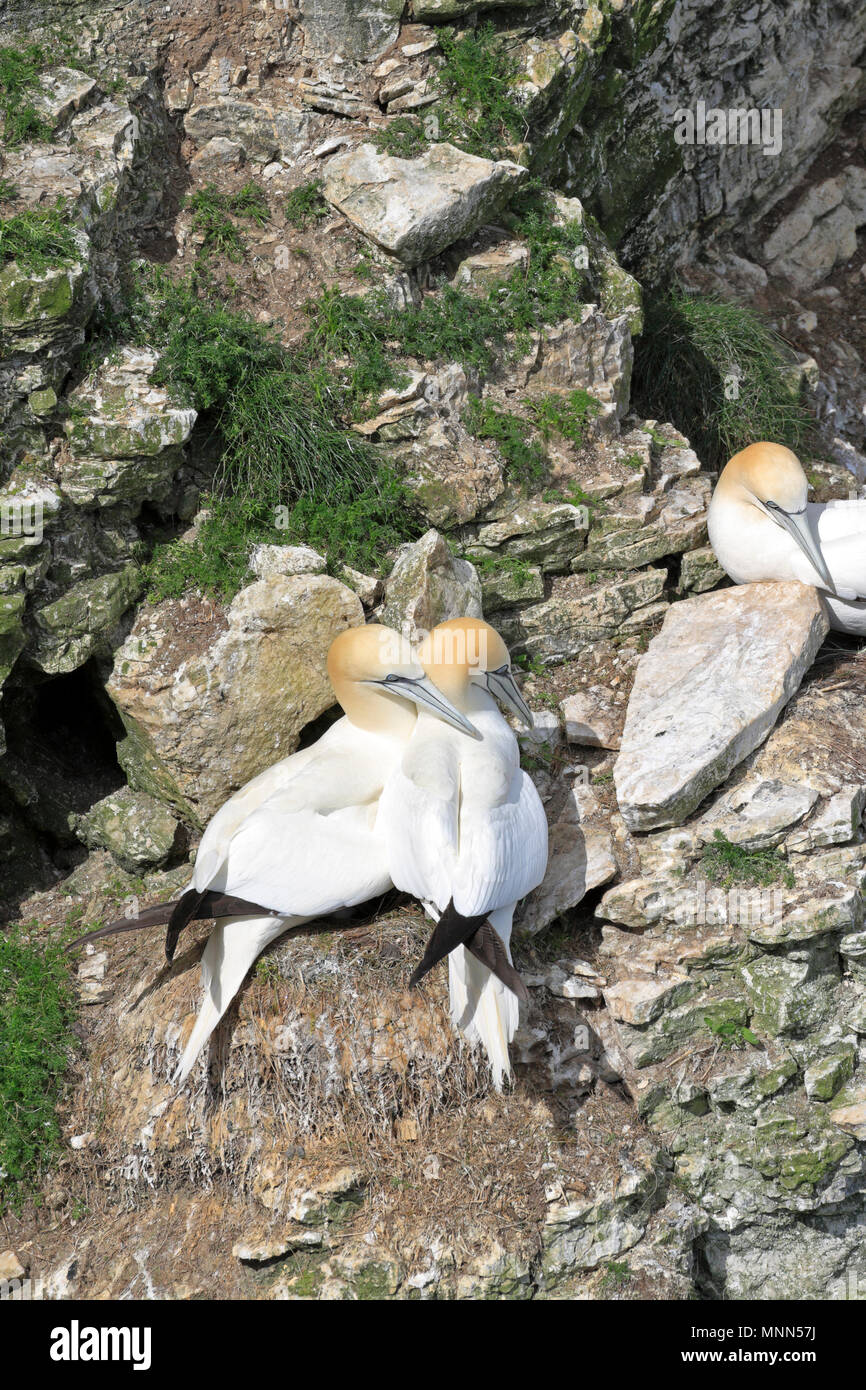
[
  {"x": 380, "y": 685},
  {"x": 465, "y": 654},
  {"x": 371, "y": 653}
]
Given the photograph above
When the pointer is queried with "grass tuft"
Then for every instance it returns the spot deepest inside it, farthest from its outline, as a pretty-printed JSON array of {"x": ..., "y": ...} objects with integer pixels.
[
  {"x": 288, "y": 469},
  {"x": 403, "y": 137},
  {"x": 718, "y": 373},
  {"x": 525, "y": 459},
  {"x": 477, "y": 79},
  {"x": 305, "y": 205},
  {"x": 37, "y": 238},
  {"x": 212, "y": 218},
  {"x": 36, "y": 1011},
  {"x": 19, "y": 76},
  {"x": 727, "y": 864}
]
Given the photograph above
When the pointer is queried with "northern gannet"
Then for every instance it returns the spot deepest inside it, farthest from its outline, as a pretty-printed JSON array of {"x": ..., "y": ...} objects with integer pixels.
[
  {"x": 762, "y": 527},
  {"x": 465, "y": 830},
  {"x": 299, "y": 841}
]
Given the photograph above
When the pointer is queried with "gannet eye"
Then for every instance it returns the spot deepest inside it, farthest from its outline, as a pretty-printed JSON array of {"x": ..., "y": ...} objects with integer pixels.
[
  {"x": 503, "y": 670},
  {"x": 391, "y": 677}
]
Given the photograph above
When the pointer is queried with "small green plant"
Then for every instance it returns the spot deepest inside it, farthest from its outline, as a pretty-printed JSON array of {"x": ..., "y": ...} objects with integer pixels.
[
  {"x": 727, "y": 864},
  {"x": 37, "y": 238},
  {"x": 525, "y": 459},
  {"x": 514, "y": 566},
  {"x": 477, "y": 81},
  {"x": 36, "y": 1013},
  {"x": 719, "y": 373},
  {"x": 213, "y": 213},
  {"x": 8, "y": 190},
  {"x": 403, "y": 136},
  {"x": 731, "y": 1034},
  {"x": 530, "y": 664},
  {"x": 568, "y": 416},
  {"x": 616, "y": 1275},
  {"x": 305, "y": 205},
  {"x": 19, "y": 77}
]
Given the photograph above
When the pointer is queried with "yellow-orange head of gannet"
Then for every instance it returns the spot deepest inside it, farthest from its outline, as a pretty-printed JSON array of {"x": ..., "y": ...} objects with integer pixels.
[
  {"x": 769, "y": 479},
  {"x": 463, "y": 653},
  {"x": 380, "y": 683}
]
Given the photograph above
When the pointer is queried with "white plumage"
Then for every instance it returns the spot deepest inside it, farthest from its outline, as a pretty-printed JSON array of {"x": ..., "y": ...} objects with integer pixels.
[
  {"x": 762, "y": 527},
  {"x": 300, "y": 839},
  {"x": 463, "y": 823}
]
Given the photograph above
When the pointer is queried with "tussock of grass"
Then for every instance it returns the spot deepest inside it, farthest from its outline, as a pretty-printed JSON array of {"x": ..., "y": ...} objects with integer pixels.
[
  {"x": 525, "y": 459},
  {"x": 36, "y": 1006},
  {"x": 727, "y": 864},
  {"x": 213, "y": 213},
  {"x": 288, "y": 469},
  {"x": 478, "y": 110},
  {"x": 403, "y": 137},
  {"x": 37, "y": 238},
  {"x": 568, "y": 416},
  {"x": 684, "y": 361},
  {"x": 305, "y": 205},
  {"x": 19, "y": 76}
]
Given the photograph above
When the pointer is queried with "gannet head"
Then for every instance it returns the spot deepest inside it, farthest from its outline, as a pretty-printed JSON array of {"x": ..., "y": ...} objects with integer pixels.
[
  {"x": 771, "y": 478},
  {"x": 467, "y": 652},
  {"x": 375, "y": 672}
]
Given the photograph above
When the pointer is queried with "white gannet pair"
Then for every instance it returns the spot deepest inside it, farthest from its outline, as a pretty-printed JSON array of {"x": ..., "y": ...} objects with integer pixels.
[
  {"x": 762, "y": 527},
  {"x": 462, "y": 827}
]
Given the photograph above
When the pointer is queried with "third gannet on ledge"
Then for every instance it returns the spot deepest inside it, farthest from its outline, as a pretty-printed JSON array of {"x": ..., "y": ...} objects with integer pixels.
[{"x": 762, "y": 527}]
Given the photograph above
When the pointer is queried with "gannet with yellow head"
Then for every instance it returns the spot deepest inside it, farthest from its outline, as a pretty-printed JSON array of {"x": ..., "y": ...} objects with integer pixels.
[
  {"x": 762, "y": 527},
  {"x": 299, "y": 841},
  {"x": 466, "y": 833}
]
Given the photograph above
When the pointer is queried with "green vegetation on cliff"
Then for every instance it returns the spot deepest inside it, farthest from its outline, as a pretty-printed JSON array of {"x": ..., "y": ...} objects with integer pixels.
[
  {"x": 19, "y": 78},
  {"x": 37, "y": 238},
  {"x": 718, "y": 373},
  {"x": 36, "y": 1010}
]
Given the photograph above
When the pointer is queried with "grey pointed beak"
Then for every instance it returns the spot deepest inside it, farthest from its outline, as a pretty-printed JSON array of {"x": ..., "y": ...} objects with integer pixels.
[
  {"x": 797, "y": 526},
  {"x": 423, "y": 693},
  {"x": 503, "y": 687}
]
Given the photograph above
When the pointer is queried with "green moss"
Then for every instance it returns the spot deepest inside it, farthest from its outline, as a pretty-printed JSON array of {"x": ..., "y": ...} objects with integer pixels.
[{"x": 36, "y": 1015}]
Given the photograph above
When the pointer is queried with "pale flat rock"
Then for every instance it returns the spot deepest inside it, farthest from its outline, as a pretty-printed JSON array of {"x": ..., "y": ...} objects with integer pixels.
[
  {"x": 580, "y": 859},
  {"x": 707, "y": 693},
  {"x": 836, "y": 824},
  {"x": 641, "y": 1001},
  {"x": 268, "y": 560},
  {"x": 758, "y": 813},
  {"x": 414, "y": 208},
  {"x": 210, "y": 697},
  {"x": 428, "y": 585},
  {"x": 592, "y": 718}
]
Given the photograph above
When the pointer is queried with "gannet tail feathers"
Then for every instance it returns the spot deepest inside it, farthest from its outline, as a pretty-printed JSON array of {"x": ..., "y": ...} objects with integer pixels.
[
  {"x": 183, "y": 913},
  {"x": 232, "y": 947},
  {"x": 484, "y": 1009},
  {"x": 450, "y": 931},
  {"x": 212, "y": 904}
]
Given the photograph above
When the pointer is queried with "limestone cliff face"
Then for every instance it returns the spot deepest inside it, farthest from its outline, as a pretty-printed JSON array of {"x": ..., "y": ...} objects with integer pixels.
[{"x": 689, "y": 1111}]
